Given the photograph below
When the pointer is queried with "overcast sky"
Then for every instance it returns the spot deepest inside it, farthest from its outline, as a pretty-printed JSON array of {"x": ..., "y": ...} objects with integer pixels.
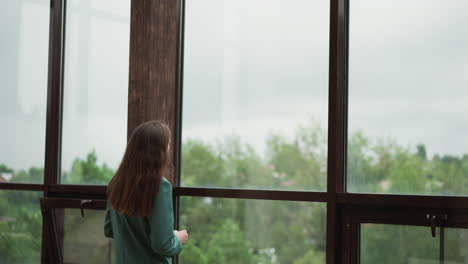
[{"x": 251, "y": 67}]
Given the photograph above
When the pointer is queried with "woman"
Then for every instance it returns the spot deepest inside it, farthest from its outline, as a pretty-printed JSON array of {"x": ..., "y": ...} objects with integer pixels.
[{"x": 139, "y": 213}]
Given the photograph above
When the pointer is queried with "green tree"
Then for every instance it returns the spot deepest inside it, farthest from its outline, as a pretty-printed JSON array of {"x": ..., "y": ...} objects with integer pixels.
[
  {"x": 33, "y": 174},
  {"x": 5, "y": 169},
  {"x": 193, "y": 254},
  {"x": 229, "y": 246},
  {"x": 88, "y": 171},
  {"x": 20, "y": 227},
  {"x": 200, "y": 165},
  {"x": 311, "y": 257}
]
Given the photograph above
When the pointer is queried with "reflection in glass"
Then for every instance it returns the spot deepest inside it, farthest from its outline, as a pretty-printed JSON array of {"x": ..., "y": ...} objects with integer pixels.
[
  {"x": 95, "y": 89},
  {"x": 407, "y": 97},
  {"x": 255, "y": 94},
  {"x": 24, "y": 50},
  {"x": 84, "y": 240},
  {"x": 20, "y": 227},
  {"x": 232, "y": 231}
]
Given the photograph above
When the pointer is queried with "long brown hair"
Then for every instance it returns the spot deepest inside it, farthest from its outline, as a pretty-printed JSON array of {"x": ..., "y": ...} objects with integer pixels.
[{"x": 135, "y": 185}]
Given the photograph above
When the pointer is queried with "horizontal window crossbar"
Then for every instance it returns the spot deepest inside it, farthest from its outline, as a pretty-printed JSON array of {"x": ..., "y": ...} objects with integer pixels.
[
  {"x": 22, "y": 186},
  {"x": 413, "y": 216},
  {"x": 252, "y": 194},
  {"x": 460, "y": 202},
  {"x": 73, "y": 203},
  {"x": 93, "y": 189}
]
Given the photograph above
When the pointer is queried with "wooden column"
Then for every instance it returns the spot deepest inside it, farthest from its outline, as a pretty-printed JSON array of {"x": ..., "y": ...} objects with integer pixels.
[
  {"x": 154, "y": 59},
  {"x": 154, "y": 63}
]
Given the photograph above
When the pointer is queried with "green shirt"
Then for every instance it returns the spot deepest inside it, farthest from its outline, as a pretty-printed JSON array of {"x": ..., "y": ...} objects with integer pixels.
[{"x": 145, "y": 240}]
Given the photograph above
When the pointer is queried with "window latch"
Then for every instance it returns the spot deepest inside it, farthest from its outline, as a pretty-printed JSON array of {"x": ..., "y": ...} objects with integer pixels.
[
  {"x": 82, "y": 204},
  {"x": 436, "y": 220}
]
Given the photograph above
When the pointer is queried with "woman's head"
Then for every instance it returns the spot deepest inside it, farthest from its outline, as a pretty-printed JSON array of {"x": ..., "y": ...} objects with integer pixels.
[{"x": 133, "y": 188}]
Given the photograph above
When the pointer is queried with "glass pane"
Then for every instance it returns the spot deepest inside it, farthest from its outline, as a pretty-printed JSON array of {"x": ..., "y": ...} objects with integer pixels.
[
  {"x": 24, "y": 38},
  {"x": 95, "y": 89},
  {"x": 20, "y": 227},
  {"x": 390, "y": 244},
  {"x": 456, "y": 251},
  {"x": 407, "y": 97},
  {"x": 84, "y": 240},
  {"x": 232, "y": 231},
  {"x": 255, "y": 94}
]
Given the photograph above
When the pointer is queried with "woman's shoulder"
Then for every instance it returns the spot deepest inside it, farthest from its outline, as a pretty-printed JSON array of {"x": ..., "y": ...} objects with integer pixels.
[
  {"x": 165, "y": 185},
  {"x": 165, "y": 190},
  {"x": 166, "y": 181}
]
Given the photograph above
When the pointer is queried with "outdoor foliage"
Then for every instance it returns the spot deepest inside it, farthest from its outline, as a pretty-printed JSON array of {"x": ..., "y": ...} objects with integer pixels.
[{"x": 246, "y": 231}]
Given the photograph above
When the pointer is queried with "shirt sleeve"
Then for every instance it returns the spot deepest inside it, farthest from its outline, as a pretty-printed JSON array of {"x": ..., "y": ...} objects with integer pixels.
[
  {"x": 161, "y": 223},
  {"x": 107, "y": 224}
]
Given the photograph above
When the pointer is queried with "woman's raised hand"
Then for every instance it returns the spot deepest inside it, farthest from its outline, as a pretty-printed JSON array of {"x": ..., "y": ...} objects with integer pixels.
[{"x": 183, "y": 236}]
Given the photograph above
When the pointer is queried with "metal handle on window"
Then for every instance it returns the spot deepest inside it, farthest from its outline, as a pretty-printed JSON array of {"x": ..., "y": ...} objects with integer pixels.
[
  {"x": 436, "y": 220},
  {"x": 82, "y": 203}
]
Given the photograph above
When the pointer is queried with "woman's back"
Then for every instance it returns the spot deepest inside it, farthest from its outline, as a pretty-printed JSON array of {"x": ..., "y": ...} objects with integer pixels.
[{"x": 145, "y": 239}]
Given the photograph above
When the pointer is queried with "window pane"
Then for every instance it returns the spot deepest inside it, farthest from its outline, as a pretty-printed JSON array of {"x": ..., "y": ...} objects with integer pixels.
[
  {"x": 255, "y": 93},
  {"x": 232, "y": 231},
  {"x": 407, "y": 97},
  {"x": 390, "y": 244},
  {"x": 84, "y": 240},
  {"x": 95, "y": 89},
  {"x": 20, "y": 227},
  {"x": 24, "y": 38},
  {"x": 456, "y": 251}
]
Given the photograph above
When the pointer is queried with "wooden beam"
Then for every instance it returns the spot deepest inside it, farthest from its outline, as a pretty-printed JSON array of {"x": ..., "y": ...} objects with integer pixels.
[
  {"x": 153, "y": 80},
  {"x": 153, "y": 62}
]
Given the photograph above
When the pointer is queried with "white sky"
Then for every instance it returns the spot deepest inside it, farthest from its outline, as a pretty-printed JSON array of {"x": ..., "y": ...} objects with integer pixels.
[{"x": 251, "y": 67}]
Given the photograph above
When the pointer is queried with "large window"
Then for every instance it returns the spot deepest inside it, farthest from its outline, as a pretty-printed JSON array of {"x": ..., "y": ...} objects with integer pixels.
[
  {"x": 276, "y": 160},
  {"x": 23, "y": 99},
  {"x": 23, "y": 92},
  {"x": 97, "y": 42},
  {"x": 255, "y": 116},
  {"x": 408, "y": 97},
  {"x": 253, "y": 231},
  {"x": 255, "y": 94}
]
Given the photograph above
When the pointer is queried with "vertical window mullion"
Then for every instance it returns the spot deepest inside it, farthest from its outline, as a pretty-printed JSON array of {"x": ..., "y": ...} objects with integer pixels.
[
  {"x": 54, "y": 94},
  {"x": 337, "y": 123}
]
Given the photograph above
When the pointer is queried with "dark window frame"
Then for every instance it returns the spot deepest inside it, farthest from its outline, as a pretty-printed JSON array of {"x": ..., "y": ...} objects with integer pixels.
[{"x": 345, "y": 211}]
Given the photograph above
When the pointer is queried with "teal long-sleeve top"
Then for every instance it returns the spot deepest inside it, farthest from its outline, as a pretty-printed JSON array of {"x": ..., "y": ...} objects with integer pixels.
[{"x": 145, "y": 240}]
